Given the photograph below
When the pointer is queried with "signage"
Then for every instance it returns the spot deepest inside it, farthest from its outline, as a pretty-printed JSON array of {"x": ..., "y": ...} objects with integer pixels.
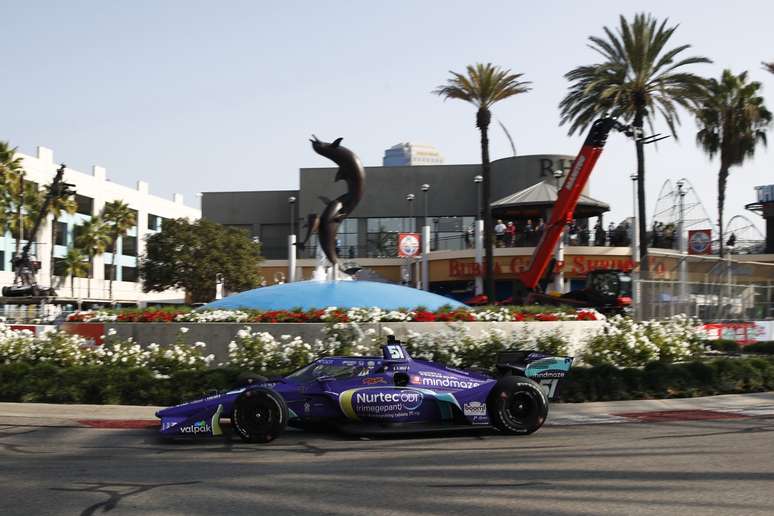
[
  {"x": 700, "y": 241},
  {"x": 408, "y": 245}
]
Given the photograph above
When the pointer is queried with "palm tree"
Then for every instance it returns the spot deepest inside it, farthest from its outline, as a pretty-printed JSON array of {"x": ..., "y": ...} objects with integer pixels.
[
  {"x": 10, "y": 169},
  {"x": 74, "y": 264},
  {"x": 27, "y": 200},
  {"x": 638, "y": 80},
  {"x": 93, "y": 238},
  {"x": 732, "y": 120},
  {"x": 484, "y": 85},
  {"x": 57, "y": 207},
  {"x": 119, "y": 218},
  {"x": 768, "y": 66}
]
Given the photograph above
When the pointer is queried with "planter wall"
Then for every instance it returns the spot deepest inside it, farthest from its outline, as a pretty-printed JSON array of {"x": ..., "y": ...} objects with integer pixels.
[{"x": 218, "y": 335}]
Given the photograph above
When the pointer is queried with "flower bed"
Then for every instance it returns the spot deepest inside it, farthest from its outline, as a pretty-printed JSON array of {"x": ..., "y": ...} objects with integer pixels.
[{"x": 333, "y": 314}]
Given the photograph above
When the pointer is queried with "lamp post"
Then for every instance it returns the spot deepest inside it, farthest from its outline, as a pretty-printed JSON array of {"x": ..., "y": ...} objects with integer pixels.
[
  {"x": 411, "y": 227},
  {"x": 635, "y": 247},
  {"x": 559, "y": 252},
  {"x": 425, "y": 242},
  {"x": 292, "y": 241},
  {"x": 681, "y": 240},
  {"x": 478, "y": 238}
]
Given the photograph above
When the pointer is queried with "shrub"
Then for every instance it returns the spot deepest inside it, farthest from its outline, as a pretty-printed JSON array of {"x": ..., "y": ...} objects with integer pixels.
[
  {"x": 760, "y": 348},
  {"x": 722, "y": 345}
]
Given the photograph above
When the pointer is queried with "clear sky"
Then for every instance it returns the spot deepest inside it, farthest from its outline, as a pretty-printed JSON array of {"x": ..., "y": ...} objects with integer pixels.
[{"x": 215, "y": 96}]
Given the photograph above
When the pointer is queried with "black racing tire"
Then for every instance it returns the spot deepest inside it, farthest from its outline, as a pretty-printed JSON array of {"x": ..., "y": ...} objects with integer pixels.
[
  {"x": 517, "y": 405},
  {"x": 260, "y": 415}
]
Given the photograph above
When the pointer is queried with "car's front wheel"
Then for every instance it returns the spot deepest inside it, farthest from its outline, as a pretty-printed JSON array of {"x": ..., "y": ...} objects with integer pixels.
[
  {"x": 517, "y": 405},
  {"x": 260, "y": 415}
]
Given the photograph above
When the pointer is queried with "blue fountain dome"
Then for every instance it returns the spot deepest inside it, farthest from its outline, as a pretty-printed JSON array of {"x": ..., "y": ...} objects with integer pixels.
[{"x": 309, "y": 295}]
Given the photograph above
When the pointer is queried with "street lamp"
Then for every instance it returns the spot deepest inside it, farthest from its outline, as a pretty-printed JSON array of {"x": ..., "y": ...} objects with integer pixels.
[
  {"x": 559, "y": 252},
  {"x": 292, "y": 241},
  {"x": 411, "y": 225},
  {"x": 425, "y": 242},
  {"x": 478, "y": 238},
  {"x": 681, "y": 243},
  {"x": 635, "y": 246}
]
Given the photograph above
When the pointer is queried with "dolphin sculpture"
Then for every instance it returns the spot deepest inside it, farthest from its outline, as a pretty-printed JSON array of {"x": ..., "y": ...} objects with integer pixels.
[{"x": 351, "y": 171}]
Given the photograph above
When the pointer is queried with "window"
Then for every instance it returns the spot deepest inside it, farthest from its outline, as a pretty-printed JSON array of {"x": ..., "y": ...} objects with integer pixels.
[
  {"x": 129, "y": 245},
  {"x": 59, "y": 267},
  {"x": 2, "y": 260},
  {"x": 392, "y": 224},
  {"x": 109, "y": 271},
  {"x": 85, "y": 205},
  {"x": 129, "y": 274},
  {"x": 61, "y": 233},
  {"x": 154, "y": 222}
]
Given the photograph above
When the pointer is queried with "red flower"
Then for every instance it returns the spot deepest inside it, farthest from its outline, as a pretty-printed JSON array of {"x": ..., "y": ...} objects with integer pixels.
[
  {"x": 424, "y": 316},
  {"x": 585, "y": 315},
  {"x": 547, "y": 317}
]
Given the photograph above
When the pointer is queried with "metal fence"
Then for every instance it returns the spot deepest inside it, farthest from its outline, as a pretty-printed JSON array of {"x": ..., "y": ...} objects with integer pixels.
[{"x": 707, "y": 301}]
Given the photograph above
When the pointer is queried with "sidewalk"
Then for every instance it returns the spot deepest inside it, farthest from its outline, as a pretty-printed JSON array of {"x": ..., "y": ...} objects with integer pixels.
[{"x": 724, "y": 406}]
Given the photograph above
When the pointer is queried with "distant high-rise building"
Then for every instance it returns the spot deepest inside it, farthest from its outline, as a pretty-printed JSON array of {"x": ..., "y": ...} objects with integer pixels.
[{"x": 410, "y": 154}]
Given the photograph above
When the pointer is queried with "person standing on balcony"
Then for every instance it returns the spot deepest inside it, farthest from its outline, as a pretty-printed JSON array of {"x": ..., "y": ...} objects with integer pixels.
[
  {"x": 499, "y": 230},
  {"x": 510, "y": 232}
]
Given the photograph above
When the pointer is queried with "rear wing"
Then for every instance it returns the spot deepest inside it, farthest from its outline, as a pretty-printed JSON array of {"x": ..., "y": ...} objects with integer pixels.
[{"x": 544, "y": 369}]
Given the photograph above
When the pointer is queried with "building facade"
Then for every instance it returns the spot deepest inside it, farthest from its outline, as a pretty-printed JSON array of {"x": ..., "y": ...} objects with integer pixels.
[
  {"x": 411, "y": 154},
  {"x": 92, "y": 192},
  {"x": 370, "y": 232}
]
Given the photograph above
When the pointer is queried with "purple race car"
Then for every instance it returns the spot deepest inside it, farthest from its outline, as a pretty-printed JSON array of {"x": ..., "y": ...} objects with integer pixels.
[{"x": 391, "y": 393}]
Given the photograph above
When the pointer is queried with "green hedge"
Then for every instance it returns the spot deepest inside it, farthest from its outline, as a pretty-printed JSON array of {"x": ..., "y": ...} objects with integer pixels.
[
  {"x": 661, "y": 380},
  {"x": 45, "y": 383},
  {"x": 761, "y": 348}
]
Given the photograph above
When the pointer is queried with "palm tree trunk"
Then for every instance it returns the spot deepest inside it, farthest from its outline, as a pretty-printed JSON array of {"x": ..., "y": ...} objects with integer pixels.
[
  {"x": 483, "y": 117},
  {"x": 641, "y": 212},
  {"x": 19, "y": 220},
  {"x": 72, "y": 285},
  {"x": 91, "y": 273},
  {"x": 51, "y": 257},
  {"x": 722, "y": 181},
  {"x": 113, "y": 266}
]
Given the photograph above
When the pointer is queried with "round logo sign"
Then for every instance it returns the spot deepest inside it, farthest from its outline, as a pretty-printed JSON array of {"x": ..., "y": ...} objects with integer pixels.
[
  {"x": 409, "y": 245},
  {"x": 699, "y": 242}
]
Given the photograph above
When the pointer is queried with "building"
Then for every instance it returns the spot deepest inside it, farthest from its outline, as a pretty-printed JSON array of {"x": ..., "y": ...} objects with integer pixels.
[
  {"x": 411, "y": 154},
  {"x": 93, "y": 191}
]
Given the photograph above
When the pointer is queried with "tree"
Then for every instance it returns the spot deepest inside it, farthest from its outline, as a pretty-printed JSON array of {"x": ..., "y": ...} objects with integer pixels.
[
  {"x": 74, "y": 264},
  {"x": 768, "y": 66},
  {"x": 638, "y": 80},
  {"x": 58, "y": 206},
  {"x": 10, "y": 169},
  {"x": 93, "y": 238},
  {"x": 484, "y": 85},
  {"x": 732, "y": 120},
  {"x": 27, "y": 200},
  {"x": 188, "y": 255},
  {"x": 119, "y": 218}
]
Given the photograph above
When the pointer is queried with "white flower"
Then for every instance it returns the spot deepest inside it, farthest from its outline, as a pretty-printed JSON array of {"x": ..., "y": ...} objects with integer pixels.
[{"x": 183, "y": 330}]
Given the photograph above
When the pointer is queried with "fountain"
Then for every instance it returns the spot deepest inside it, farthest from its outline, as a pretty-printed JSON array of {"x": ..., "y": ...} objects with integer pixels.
[{"x": 331, "y": 286}]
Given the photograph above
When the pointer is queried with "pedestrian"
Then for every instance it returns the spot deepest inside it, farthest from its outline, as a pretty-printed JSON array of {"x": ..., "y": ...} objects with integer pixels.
[
  {"x": 529, "y": 232},
  {"x": 573, "y": 230},
  {"x": 499, "y": 230},
  {"x": 510, "y": 232}
]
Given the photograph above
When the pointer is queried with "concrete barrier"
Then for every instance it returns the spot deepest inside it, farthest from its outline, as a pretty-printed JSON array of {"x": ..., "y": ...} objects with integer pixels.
[{"x": 218, "y": 335}]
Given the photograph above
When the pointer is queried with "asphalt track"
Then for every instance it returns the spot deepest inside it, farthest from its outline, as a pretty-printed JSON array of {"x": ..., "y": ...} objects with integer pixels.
[{"x": 712, "y": 466}]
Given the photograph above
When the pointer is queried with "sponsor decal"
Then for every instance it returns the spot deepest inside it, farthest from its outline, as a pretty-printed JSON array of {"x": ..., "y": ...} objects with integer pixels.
[
  {"x": 168, "y": 424},
  {"x": 376, "y": 403},
  {"x": 199, "y": 427},
  {"x": 373, "y": 380},
  {"x": 474, "y": 408},
  {"x": 435, "y": 379},
  {"x": 307, "y": 407}
]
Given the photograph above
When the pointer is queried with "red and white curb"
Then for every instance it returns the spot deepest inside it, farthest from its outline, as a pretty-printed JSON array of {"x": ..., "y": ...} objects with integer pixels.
[{"x": 660, "y": 416}]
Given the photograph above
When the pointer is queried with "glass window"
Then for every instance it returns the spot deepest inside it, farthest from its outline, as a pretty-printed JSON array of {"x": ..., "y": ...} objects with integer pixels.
[
  {"x": 85, "y": 205},
  {"x": 2, "y": 260},
  {"x": 154, "y": 222},
  {"x": 129, "y": 274},
  {"x": 61, "y": 233},
  {"x": 396, "y": 224},
  {"x": 129, "y": 245}
]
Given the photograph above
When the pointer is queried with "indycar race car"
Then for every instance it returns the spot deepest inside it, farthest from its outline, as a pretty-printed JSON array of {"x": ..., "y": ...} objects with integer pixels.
[{"x": 391, "y": 393}]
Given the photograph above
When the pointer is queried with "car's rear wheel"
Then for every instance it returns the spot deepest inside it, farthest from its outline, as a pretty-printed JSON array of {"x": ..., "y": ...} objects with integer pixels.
[
  {"x": 260, "y": 415},
  {"x": 517, "y": 405}
]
